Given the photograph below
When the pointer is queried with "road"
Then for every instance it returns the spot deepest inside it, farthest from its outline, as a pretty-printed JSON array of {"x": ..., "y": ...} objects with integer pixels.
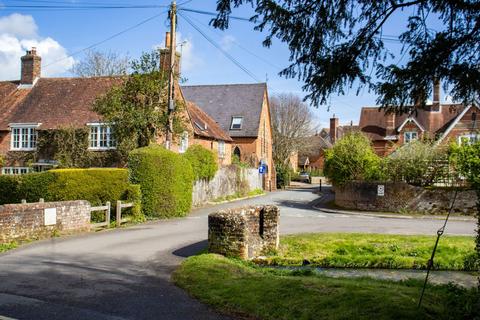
[{"x": 125, "y": 273}]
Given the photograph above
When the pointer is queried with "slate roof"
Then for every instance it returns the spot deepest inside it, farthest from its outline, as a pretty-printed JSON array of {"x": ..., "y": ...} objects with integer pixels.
[
  {"x": 222, "y": 102},
  {"x": 62, "y": 102}
]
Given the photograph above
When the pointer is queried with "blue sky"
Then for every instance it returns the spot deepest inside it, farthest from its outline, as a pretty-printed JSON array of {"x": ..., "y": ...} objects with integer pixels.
[{"x": 60, "y": 33}]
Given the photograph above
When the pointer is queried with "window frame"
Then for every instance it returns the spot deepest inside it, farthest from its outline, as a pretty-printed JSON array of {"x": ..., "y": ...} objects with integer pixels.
[
  {"x": 23, "y": 136},
  {"x": 221, "y": 149},
  {"x": 19, "y": 170},
  {"x": 469, "y": 136},
  {"x": 101, "y": 137},
  {"x": 410, "y": 139},
  {"x": 240, "y": 124}
]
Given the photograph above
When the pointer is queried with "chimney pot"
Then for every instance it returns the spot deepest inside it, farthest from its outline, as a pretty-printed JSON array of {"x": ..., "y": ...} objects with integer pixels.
[
  {"x": 167, "y": 40},
  {"x": 436, "y": 91},
  {"x": 31, "y": 67},
  {"x": 333, "y": 129}
]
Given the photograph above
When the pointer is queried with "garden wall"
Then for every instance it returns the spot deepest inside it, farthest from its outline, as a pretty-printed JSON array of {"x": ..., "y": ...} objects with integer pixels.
[
  {"x": 43, "y": 219},
  {"x": 401, "y": 196},
  {"x": 227, "y": 181}
]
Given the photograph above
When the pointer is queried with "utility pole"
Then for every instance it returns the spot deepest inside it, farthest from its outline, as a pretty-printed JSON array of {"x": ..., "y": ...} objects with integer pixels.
[{"x": 171, "y": 79}]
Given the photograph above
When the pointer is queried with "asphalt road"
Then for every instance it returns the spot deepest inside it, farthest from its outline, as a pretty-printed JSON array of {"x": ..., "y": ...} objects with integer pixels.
[{"x": 125, "y": 273}]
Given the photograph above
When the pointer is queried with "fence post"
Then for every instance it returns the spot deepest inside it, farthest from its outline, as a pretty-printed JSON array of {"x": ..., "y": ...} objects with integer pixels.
[
  {"x": 107, "y": 214},
  {"x": 119, "y": 213}
]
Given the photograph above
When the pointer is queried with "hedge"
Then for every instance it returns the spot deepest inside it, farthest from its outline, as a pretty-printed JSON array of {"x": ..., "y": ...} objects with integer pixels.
[
  {"x": 203, "y": 162},
  {"x": 96, "y": 185},
  {"x": 166, "y": 180}
]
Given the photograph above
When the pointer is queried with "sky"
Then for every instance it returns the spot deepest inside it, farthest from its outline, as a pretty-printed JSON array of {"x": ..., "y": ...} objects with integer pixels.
[{"x": 60, "y": 34}]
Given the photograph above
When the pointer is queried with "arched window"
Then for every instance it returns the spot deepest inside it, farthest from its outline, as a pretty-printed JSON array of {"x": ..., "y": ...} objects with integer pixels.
[{"x": 237, "y": 153}]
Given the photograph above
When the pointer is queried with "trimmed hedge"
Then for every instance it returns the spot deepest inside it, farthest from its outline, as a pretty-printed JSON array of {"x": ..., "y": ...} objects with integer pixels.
[
  {"x": 166, "y": 181},
  {"x": 203, "y": 162},
  {"x": 97, "y": 185}
]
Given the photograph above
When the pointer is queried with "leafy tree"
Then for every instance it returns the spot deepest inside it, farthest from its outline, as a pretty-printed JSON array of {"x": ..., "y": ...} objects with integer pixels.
[
  {"x": 292, "y": 126},
  {"x": 337, "y": 43},
  {"x": 137, "y": 109},
  {"x": 97, "y": 63},
  {"x": 352, "y": 158},
  {"x": 419, "y": 163}
]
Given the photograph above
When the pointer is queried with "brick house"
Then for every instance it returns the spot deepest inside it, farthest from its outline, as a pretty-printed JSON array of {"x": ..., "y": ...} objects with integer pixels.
[
  {"x": 243, "y": 111},
  {"x": 442, "y": 122},
  {"x": 33, "y": 104}
]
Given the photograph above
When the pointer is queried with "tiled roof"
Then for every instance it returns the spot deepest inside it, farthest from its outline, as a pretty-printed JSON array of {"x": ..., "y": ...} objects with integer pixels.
[
  {"x": 222, "y": 102},
  {"x": 374, "y": 121},
  {"x": 205, "y": 126},
  {"x": 62, "y": 102}
]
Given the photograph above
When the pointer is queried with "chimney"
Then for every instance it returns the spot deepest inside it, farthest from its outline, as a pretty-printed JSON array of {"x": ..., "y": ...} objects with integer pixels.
[
  {"x": 390, "y": 123},
  {"x": 31, "y": 67},
  {"x": 165, "y": 57},
  {"x": 333, "y": 129},
  {"x": 436, "y": 91}
]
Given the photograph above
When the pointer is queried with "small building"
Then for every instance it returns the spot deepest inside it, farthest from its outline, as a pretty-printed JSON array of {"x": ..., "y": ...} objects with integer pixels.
[{"x": 441, "y": 122}]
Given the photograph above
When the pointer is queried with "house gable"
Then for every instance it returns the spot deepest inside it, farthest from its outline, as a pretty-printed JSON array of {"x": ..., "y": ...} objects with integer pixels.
[{"x": 466, "y": 122}]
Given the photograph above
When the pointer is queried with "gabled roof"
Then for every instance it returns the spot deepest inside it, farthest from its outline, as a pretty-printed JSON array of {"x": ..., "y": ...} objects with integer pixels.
[
  {"x": 205, "y": 126},
  {"x": 454, "y": 122},
  {"x": 222, "y": 102},
  {"x": 410, "y": 119}
]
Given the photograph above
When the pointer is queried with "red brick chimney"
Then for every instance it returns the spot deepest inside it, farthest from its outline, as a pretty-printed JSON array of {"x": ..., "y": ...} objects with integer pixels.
[
  {"x": 31, "y": 67},
  {"x": 333, "y": 129},
  {"x": 436, "y": 91},
  {"x": 390, "y": 123},
  {"x": 165, "y": 57}
]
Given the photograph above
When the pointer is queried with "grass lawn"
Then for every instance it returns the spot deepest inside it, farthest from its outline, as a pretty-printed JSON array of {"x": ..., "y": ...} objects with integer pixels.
[
  {"x": 7, "y": 246},
  {"x": 374, "y": 251},
  {"x": 243, "y": 289}
]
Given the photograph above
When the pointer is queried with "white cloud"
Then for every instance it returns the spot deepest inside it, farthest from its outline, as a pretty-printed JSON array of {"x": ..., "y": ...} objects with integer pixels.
[
  {"x": 18, "y": 33},
  {"x": 227, "y": 42}
]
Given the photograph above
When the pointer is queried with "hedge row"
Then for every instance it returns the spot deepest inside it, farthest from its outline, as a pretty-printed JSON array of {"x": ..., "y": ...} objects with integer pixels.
[
  {"x": 166, "y": 180},
  {"x": 203, "y": 162},
  {"x": 97, "y": 186}
]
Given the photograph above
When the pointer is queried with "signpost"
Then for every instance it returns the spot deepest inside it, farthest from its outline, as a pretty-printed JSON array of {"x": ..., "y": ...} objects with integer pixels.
[{"x": 381, "y": 190}]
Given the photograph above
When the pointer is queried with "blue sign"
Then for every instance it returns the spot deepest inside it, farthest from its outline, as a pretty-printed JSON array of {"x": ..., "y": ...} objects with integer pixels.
[{"x": 261, "y": 169}]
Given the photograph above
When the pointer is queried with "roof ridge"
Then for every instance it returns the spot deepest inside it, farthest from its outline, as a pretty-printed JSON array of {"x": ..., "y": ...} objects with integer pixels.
[{"x": 225, "y": 85}]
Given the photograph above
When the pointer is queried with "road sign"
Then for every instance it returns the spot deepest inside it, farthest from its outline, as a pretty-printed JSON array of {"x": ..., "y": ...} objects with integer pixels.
[
  {"x": 381, "y": 190},
  {"x": 261, "y": 169}
]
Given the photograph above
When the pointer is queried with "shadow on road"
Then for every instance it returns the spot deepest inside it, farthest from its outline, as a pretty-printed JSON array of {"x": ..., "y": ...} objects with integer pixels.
[{"x": 191, "y": 250}]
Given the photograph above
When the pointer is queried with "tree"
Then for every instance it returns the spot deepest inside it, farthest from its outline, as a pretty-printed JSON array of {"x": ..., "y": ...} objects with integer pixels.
[
  {"x": 137, "y": 109},
  {"x": 337, "y": 43},
  {"x": 352, "y": 158},
  {"x": 292, "y": 126},
  {"x": 98, "y": 63}
]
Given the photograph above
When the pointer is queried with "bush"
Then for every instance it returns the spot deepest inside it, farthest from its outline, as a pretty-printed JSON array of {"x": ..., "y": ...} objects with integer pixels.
[
  {"x": 352, "y": 158},
  {"x": 418, "y": 163},
  {"x": 284, "y": 176},
  {"x": 203, "y": 162},
  {"x": 94, "y": 185},
  {"x": 166, "y": 180}
]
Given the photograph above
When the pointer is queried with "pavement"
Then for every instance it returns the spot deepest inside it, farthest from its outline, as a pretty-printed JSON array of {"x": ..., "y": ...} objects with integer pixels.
[{"x": 126, "y": 273}]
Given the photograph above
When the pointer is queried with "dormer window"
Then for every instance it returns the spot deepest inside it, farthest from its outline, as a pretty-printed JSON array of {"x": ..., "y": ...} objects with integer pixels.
[
  {"x": 236, "y": 123},
  {"x": 101, "y": 137},
  {"x": 410, "y": 136},
  {"x": 24, "y": 137}
]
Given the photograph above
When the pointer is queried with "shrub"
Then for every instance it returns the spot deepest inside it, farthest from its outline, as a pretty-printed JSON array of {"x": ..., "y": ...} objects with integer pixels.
[
  {"x": 418, "y": 163},
  {"x": 94, "y": 185},
  {"x": 352, "y": 158},
  {"x": 166, "y": 181},
  {"x": 284, "y": 176},
  {"x": 203, "y": 162}
]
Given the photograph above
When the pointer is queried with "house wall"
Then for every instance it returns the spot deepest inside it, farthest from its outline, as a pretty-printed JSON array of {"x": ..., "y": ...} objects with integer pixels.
[
  {"x": 4, "y": 142},
  {"x": 464, "y": 126},
  {"x": 213, "y": 146}
]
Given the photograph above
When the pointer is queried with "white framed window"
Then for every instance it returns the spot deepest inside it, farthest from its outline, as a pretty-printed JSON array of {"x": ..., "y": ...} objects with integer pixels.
[
  {"x": 23, "y": 137},
  {"x": 236, "y": 123},
  {"x": 221, "y": 149},
  {"x": 410, "y": 136},
  {"x": 101, "y": 137},
  {"x": 183, "y": 143},
  {"x": 470, "y": 138},
  {"x": 16, "y": 170}
]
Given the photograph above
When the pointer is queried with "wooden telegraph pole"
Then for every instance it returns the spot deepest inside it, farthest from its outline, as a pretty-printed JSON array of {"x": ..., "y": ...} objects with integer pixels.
[{"x": 171, "y": 79}]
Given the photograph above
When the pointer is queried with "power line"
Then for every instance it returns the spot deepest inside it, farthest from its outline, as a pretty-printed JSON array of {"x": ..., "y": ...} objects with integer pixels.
[
  {"x": 107, "y": 39},
  {"x": 216, "y": 45},
  {"x": 208, "y": 13},
  {"x": 76, "y": 7}
]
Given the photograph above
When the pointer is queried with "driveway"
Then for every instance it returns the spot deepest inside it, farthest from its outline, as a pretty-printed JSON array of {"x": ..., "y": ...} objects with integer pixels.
[{"x": 125, "y": 273}]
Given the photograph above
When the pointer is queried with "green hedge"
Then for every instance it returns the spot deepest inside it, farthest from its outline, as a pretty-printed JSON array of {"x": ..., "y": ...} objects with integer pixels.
[
  {"x": 203, "y": 162},
  {"x": 166, "y": 181},
  {"x": 97, "y": 185}
]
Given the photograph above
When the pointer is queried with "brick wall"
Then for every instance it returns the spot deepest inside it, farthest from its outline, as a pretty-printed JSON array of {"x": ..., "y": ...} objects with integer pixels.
[
  {"x": 360, "y": 195},
  {"x": 244, "y": 233},
  {"x": 28, "y": 221}
]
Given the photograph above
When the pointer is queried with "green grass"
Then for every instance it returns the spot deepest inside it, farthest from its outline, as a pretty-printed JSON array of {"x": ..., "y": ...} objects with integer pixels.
[
  {"x": 7, "y": 246},
  {"x": 243, "y": 289},
  {"x": 374, "y": 251}
]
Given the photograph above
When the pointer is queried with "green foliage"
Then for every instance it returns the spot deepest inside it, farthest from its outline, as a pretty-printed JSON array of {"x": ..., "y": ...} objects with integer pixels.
[
  {"x": 203, "y": 162},
  {"x": 243, "y": 289},
  {"x": 94, "y": 185},
  {"x": 7, "y": 246},
  {"x": 137, "y": 108},
  {"x": 338, "y": 44},
  {"x": 418, "y": 163},
  {"x": 166, "y": 180},
  {"x": 352, "y": 158},
  {"x": 69, "y": 147},
  {"x": 284, "y": 175},
  {"x": 236, "y": 161},
  {"x": 350, "y": 250}
]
